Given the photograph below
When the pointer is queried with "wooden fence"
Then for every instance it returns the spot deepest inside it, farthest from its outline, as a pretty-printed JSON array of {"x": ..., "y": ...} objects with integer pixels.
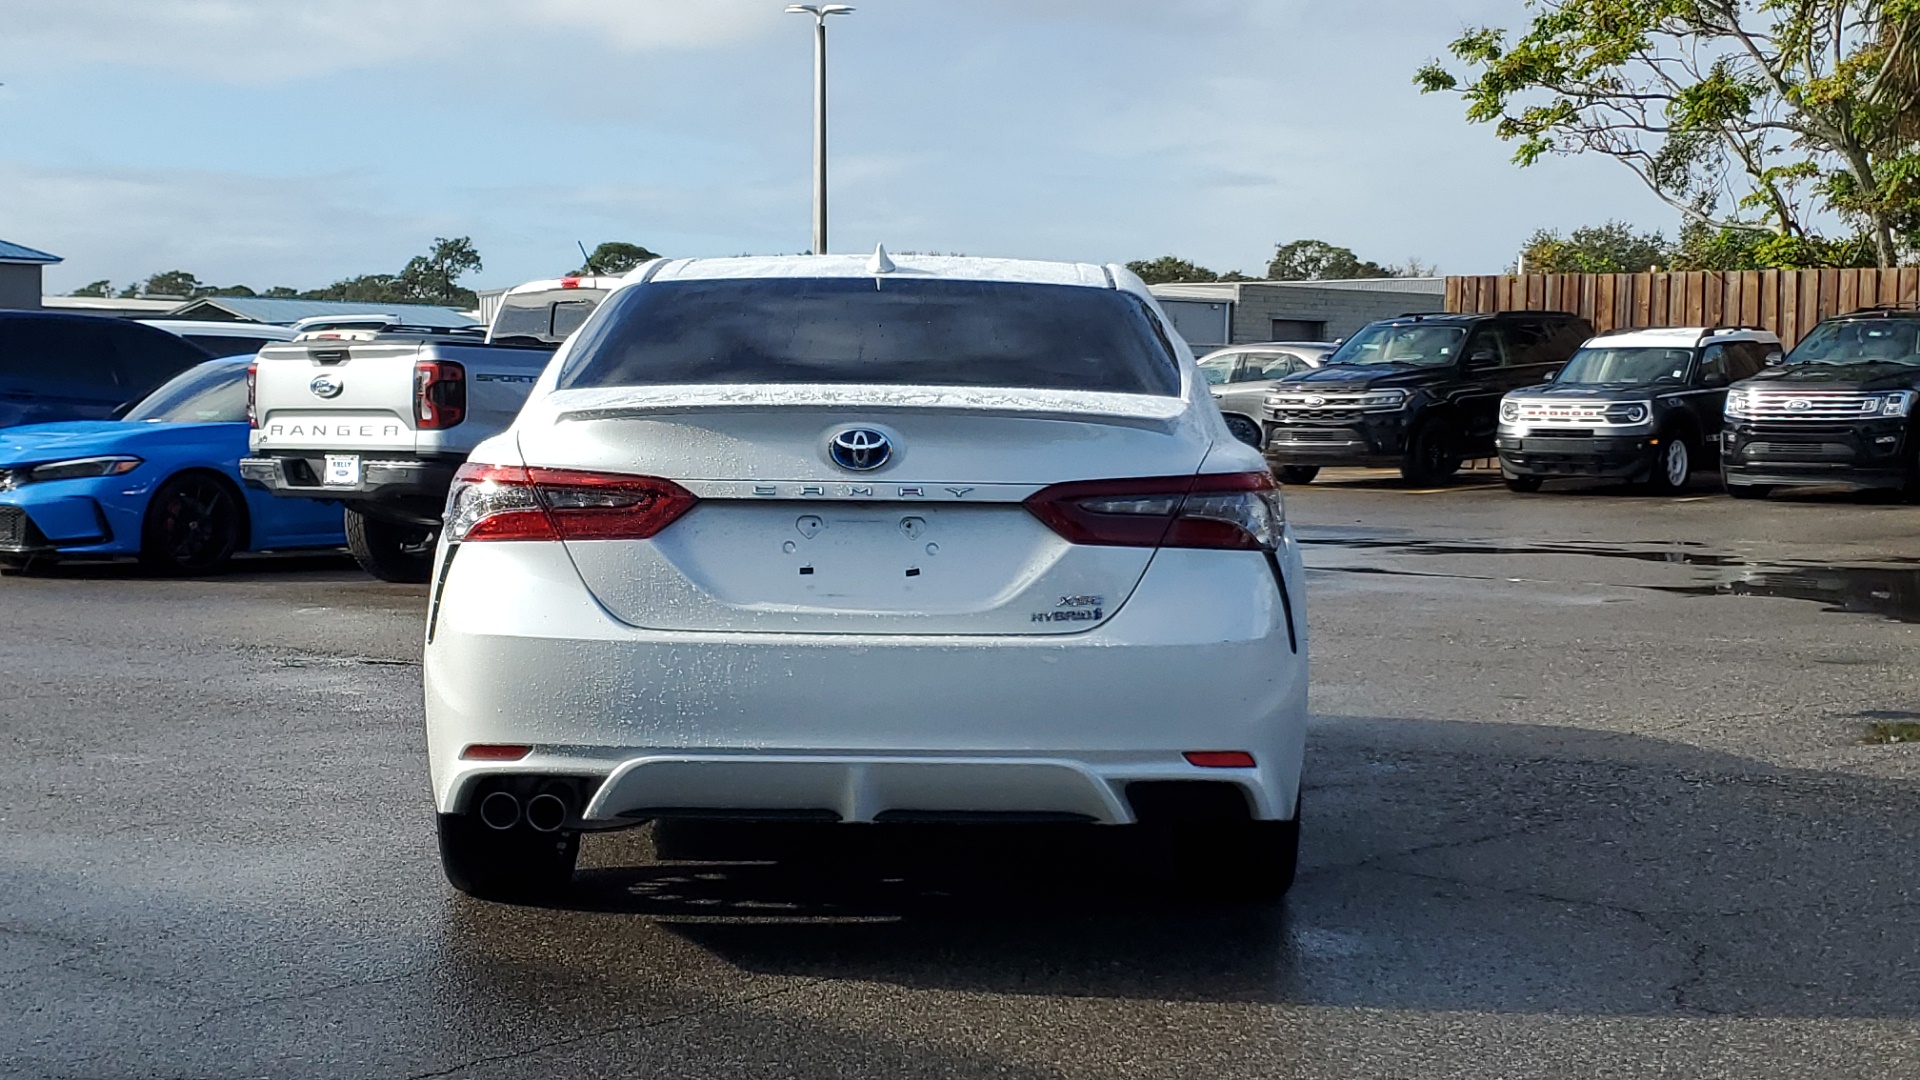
[{"x": 1787, "y": 302}]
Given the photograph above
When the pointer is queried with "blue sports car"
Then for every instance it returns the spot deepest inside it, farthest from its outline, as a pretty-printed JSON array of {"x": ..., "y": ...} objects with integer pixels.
[{"x": 162, "y": 484}]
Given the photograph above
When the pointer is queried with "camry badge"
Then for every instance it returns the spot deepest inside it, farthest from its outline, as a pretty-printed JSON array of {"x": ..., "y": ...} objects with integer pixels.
[
  {"x": 860, "y": 450},
  {"x": 325, "y": 386}
]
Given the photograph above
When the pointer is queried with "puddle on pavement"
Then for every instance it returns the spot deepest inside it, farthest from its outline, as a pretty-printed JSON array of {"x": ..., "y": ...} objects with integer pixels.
[{"x": 1890, "y": 589}]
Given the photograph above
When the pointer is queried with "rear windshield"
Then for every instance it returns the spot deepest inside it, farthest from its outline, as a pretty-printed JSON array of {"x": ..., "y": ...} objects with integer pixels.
[
  {"x": 877, "y": 331},
  {"x": 214, "y": 392},
  {"x": 544, "y": 318}
]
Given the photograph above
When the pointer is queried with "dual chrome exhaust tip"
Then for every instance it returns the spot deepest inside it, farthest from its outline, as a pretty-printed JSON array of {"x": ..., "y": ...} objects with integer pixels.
[{"x": 545, "y": 812}]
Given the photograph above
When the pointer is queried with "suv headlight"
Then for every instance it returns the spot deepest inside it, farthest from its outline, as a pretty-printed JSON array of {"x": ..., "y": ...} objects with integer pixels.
[
  {"x": 77, "y": 469},
  {"x": 1509, "y": 412},
  {"x": 1381, "y": 400},
  {"x": 1631, "y": 412},
  {"x": 1739, "y": 405},
  {"x": 1898, "y": 403}
]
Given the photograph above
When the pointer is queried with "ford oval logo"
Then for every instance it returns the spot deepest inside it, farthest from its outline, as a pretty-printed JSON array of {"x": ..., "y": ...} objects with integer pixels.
[
  {"x": 860, "y": 449},
  {"x": 325, "y": 386},
  {"x": 1315, "y": 402},
  {"x": 1799, "y": 404}
]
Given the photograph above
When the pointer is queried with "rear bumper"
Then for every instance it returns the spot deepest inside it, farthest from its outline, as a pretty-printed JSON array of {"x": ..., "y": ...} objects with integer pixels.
[
  {"x": 867, "y": 727},
  {"x": 1615, "y": 457},
  {"x": 415, "y": 486},
  {"x": 1869, "y": 454}
]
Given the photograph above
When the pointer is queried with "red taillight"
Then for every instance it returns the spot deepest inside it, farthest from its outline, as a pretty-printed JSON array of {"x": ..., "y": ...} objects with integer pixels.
[
  {"x": 569, "y": 282},
  {"x": 253, "y": 387},
  {"x": 1232, "y": 511},
  {"x": 494, "y": 752},
  {"x": 508, "y": 502},
  {"x": 1219, "y": 759},
  {"x": 439, "y": 394}
]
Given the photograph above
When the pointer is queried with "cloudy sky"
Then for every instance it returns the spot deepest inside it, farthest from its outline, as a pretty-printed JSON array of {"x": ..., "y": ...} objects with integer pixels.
[{"x": 299, "y": 141}]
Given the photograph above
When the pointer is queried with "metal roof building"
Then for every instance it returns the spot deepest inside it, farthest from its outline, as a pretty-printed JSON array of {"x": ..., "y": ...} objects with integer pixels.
[
  {"x": 1213, "y": 314},
  {"x": 20, "y": 274},
  {"x": 285, "y": 312}
]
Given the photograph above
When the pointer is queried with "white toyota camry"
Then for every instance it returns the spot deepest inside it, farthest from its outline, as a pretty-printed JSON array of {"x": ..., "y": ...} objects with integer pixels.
[{"x": 863, "y": 540}]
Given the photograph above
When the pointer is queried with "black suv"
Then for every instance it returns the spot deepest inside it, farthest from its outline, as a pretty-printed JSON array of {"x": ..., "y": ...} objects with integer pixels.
[
  {"x": 1639, "y": 405},
  {"x": 1840, "y": 410},
  {"x": 1421, "y": 392},
  {"x": 56, "y": 366}
]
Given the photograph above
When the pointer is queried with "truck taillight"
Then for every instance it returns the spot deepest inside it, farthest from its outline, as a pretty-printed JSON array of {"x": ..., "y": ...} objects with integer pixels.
[
  {"x": 1226, "y": 511},
  {"x": 253, "y": 387},
  {"x": 509, "y": 502},
  {"x": 439, "y": 394}
]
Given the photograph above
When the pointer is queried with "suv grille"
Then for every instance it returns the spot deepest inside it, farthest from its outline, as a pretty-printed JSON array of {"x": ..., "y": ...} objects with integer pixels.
[
  {"x": 1583, "y": 413},
  {"x": 1811, "y": 405}
]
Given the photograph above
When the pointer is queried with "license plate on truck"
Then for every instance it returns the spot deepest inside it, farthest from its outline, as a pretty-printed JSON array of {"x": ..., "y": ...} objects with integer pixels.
[{"x": 343, "y": 470}]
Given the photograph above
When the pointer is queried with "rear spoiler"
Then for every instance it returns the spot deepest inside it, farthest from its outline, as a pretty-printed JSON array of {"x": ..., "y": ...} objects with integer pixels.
[{"x": 633, "y": 403}]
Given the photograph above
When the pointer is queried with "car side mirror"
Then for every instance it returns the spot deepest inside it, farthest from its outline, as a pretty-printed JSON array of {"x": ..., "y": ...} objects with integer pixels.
[
  {"x": 1482, "y": 358},
  {"x": 1714, "y": 379},
  {"x": 1552, "y": 375},
  {"x": 1775, "y": 359}
]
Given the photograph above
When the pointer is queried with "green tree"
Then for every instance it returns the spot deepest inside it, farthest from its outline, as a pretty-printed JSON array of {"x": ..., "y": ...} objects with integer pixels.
[
  {"x": 1613, "y": 248},
  {"x": 434, "y": 278},
  {"x": 1735, "y": 112},
  {"x": 1171, "y": 268},
  {"x": 173, "y": 283},
  {"x": 1317, "y": 260},
  {"x": 103, "y": 287},
  {"x": 616, "y": 257},
  {"x": 366, "y": 289}
]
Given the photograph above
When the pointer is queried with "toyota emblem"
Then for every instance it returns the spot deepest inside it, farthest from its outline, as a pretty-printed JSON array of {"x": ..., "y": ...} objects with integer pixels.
[
  {"x": 325, "y": 386},
  {"x": 860, "y": 449}
]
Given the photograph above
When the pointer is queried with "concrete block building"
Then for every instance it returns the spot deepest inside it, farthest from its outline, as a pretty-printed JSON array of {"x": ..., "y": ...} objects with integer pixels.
[
  {"x": 1213, "y": 315},
  {"x": 20, "y": 269}
]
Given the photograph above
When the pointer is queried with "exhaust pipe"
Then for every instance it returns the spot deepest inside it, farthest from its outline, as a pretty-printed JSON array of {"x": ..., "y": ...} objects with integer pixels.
[
  {"x": 546, "y": 812},
  {"x": 500, "y": 811}
]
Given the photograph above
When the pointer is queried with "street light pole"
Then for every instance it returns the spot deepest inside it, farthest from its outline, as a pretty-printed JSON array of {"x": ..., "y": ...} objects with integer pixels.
[{"x": 819, "y": 13}]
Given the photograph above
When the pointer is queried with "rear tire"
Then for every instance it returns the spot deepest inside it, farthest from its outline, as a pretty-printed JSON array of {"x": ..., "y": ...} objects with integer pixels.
[
  {"x": 402, "y": 554},
  {"x": 1298, "y": 474},
  {"x": 1749, "y": 491},
  {"x": 194, "y": 524},
  {"x": 511, "y": 864},
  {"x": 1673, "y": 469},
  {"x": 1433, "y": 454},
  {"x": 1525, "y": 485}
]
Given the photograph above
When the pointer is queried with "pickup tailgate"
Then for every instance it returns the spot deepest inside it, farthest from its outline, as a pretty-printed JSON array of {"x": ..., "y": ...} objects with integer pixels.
[{"x": 333, "y": 396}]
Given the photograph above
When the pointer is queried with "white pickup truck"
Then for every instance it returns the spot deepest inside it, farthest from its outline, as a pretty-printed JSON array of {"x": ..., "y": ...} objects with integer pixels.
[{"x": 378, "y": 415}]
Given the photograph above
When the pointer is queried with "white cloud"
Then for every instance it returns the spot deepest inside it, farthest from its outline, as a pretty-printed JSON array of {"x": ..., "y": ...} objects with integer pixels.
[
  {"x": 264, "y": 41},
  {"x": 125, "y": 224}
]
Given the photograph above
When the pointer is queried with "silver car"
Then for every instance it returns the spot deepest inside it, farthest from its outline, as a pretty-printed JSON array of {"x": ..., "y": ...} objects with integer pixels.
[{"x": 1241, "y": 375}]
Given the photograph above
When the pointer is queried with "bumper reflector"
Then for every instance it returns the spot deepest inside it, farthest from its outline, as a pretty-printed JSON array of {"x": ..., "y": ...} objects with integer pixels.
[
  {"x": 494, "y": 752},
  {"x": 1219, "y": 759}
]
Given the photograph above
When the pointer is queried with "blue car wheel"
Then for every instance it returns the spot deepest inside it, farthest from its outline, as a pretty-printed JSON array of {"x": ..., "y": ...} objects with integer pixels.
[{"x": 194, "y": 525}]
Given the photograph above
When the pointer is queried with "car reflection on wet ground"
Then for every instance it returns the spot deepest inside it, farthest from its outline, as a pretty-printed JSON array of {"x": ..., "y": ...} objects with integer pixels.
[{"x": 1592, "y": 791}]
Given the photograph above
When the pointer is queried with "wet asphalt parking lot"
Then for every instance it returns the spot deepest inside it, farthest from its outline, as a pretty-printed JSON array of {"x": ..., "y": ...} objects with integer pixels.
[{"x": 1590, "y": 792}]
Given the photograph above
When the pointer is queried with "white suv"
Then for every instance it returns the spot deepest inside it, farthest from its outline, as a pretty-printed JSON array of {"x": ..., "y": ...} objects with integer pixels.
[{"x": 825, "y": 538}]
